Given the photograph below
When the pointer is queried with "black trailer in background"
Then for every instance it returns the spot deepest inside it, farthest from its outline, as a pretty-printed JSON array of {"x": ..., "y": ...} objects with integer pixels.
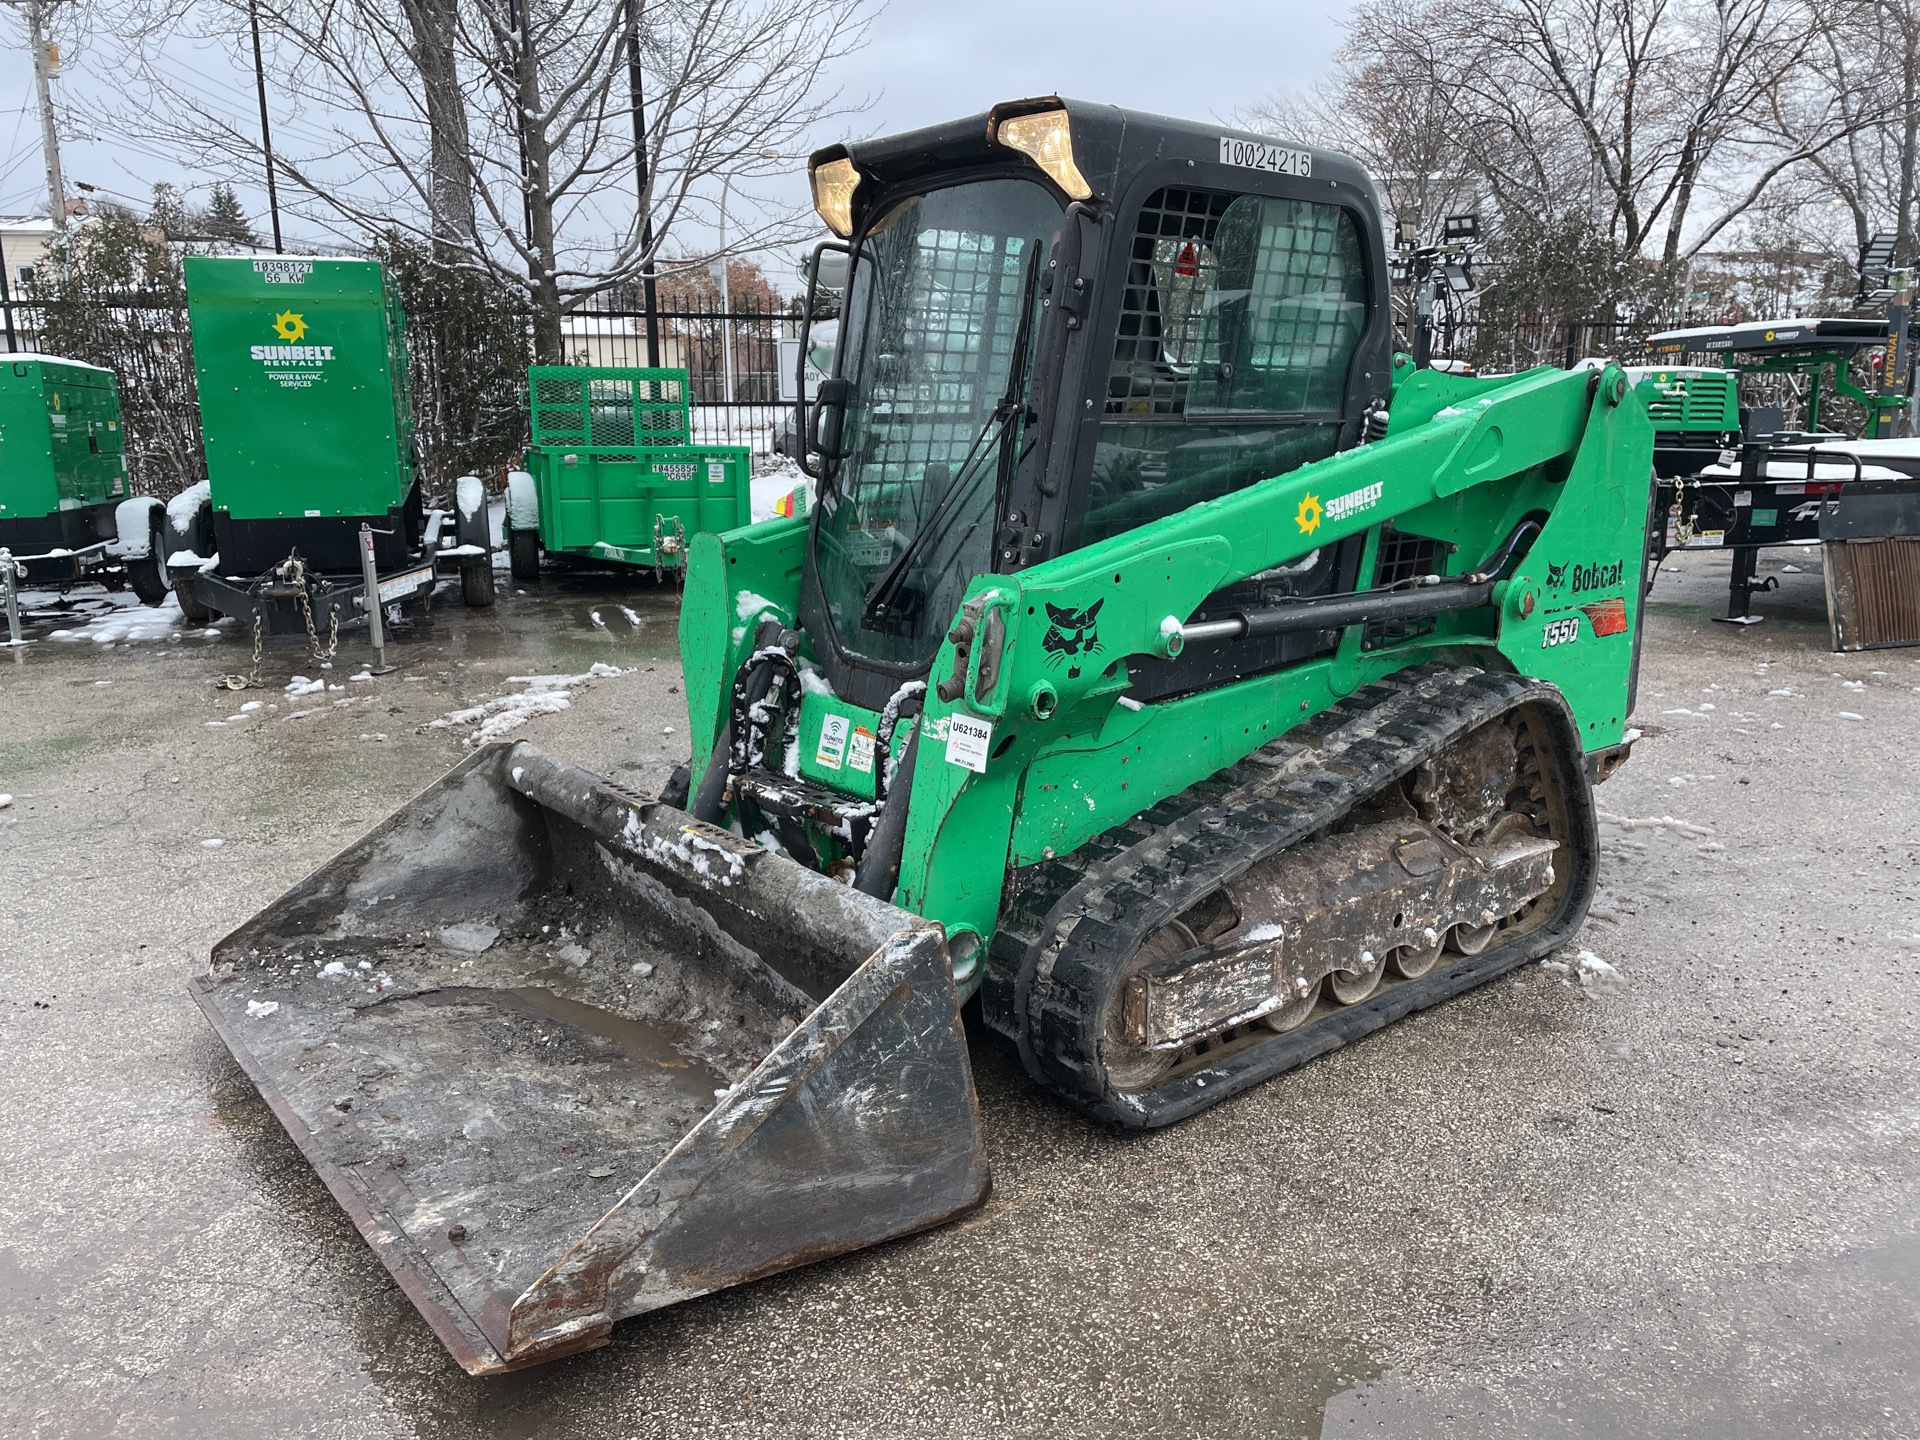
[{"x": 1858, "y": 497}]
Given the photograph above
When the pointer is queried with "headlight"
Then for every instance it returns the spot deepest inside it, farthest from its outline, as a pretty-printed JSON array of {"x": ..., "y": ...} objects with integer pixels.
[
  {"x": 833, "y": 187},
  {"x": 1045, "y": 139}
]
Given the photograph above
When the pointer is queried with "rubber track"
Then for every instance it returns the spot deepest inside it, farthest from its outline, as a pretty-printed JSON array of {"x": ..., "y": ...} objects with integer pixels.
[{"x": 1073, "y": 921}]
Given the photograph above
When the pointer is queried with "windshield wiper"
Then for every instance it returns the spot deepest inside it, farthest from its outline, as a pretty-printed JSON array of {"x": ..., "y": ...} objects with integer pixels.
[{"x": 887, "y": 588}]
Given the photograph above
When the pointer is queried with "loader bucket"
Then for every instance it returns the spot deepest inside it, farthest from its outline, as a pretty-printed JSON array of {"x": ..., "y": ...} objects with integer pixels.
[{"x": 566, "y": 1054}]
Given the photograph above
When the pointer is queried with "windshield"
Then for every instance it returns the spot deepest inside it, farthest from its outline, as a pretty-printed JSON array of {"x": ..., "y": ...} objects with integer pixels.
[{"x": 937, "y": 336}]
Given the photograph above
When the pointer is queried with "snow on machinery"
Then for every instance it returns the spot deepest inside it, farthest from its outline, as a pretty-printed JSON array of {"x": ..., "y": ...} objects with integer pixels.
[
  {"x": 311, "y": 500},
  {"x": 613, "y": 473},
  {"x": 66, "y": 512},
  {"x": 1165, "y": 663}
]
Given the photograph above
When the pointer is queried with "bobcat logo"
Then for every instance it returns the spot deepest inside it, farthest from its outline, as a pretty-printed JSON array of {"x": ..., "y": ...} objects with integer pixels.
[
  {"x": 1072, "y": 636},
  {"x": 1555, "y": 574}
]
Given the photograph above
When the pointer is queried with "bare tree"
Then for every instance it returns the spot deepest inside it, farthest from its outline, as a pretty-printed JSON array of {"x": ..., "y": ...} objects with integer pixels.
[
  {"x": 1383, "y": 106},
  {"x": 1664, "y": 120},
  {"x": 501, "y": 133},
  {"x": 1869, "y": 56}
]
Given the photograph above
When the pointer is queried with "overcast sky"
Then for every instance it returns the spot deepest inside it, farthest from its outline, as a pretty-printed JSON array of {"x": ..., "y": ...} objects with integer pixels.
[{"x": 925, "y": 61}]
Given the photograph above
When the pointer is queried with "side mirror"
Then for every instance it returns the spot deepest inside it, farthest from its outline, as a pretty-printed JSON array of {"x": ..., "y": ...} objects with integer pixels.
[
  {"x": 820, "y": 427},
  {"x": 824, "y": 422}
]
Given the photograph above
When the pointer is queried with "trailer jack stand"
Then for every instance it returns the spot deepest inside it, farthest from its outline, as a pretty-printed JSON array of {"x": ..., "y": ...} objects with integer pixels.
[
  {"x": 1742, "y": 587},
  {"x": 369, "y": 601},
  {"x": 10, "y": 588}
]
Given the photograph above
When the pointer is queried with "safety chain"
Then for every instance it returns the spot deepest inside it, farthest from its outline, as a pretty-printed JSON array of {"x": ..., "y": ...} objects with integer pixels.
[
  {"x": 1682, "y": 522},
  {"x": 250, "y": 680},
  {"x": 299, "y": 574}
]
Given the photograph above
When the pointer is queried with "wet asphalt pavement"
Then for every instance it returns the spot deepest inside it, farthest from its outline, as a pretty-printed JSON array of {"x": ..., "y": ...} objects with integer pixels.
[{"x": 1686, "y": 1203}]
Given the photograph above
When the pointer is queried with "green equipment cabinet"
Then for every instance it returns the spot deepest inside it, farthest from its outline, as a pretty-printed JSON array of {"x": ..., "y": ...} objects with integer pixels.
[
  {"x": 1695, "y": 412},
  {"x": 65, "y": 509},
  {"x": 311, "y": 486},
  {"x": 612, "y": 473}
]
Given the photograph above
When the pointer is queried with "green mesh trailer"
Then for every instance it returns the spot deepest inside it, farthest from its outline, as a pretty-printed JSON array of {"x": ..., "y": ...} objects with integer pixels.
[
  {"x": 66, "y": 508},
  {"x": 613, "y": 473},
  {"x": 302, "y": 370}
]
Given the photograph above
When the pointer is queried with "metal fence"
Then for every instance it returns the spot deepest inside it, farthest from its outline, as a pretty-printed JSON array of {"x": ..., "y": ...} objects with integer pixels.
[
  {"x": 144, "y": 340},
  {"x": 733, "y": 358},
  {"x": 1544, "y": 342}
]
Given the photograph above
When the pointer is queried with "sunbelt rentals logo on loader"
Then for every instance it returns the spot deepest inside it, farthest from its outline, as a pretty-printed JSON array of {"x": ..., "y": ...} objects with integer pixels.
[
  {"x": 294, "y": 364},
  {"x": 1312, "y": 511}
]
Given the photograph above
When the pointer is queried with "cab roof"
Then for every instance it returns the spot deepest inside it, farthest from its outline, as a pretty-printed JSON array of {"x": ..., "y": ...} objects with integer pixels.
[{"x": 1111, "y": 145}]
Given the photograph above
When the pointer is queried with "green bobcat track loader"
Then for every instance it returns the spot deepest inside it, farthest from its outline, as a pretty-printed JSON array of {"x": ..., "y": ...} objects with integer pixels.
[{"x": 1166, "y": 664}]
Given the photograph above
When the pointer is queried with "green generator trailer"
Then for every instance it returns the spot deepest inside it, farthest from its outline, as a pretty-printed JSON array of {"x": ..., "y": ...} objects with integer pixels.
[
  {"x": 311, "y": 486},
  {"x": 1165, "y": 664},
  {"x": 65, "y": 510},
  {"x": 613, "y": 473}
]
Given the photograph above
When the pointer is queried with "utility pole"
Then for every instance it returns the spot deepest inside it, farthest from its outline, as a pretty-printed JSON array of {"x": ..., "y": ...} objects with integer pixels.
[
  {"x": 649, "y": 291},
  {"x": 266, "y": 134},
  {"x": 45, "y": 63}
]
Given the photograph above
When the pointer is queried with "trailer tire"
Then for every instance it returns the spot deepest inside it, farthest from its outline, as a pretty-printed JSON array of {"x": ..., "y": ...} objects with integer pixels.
[
  {"x": 148, "y": 573},
  {"x": 523, "y": 554},
  {"x": 476, "y": 582},
  {"x": 194, "y": 612}
]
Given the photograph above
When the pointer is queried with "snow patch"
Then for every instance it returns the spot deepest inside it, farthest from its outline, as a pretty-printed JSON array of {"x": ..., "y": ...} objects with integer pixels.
[
  {"x": 181, "y": 508},
  {"x": 469, "y": 937},
  {"x": 261, "y": 1009},
  {"x": 470, "y": 494},
  {"x": 127, "y": 625},
  {"x": 1595, "y": 973},
  {"x": 544, "y": 695},
  {"x": 1662, "y": 822},
  {"x": 523, "y": 501}
]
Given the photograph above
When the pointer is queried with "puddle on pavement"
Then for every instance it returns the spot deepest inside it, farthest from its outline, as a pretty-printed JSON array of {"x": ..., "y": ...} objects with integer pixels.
[
  {"x": 646, "y": 1044},
  {"x": 549, "y": 622}
]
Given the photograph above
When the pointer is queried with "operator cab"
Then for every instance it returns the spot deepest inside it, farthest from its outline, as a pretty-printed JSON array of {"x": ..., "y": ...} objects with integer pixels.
[{"x": 1061, "y": 322}]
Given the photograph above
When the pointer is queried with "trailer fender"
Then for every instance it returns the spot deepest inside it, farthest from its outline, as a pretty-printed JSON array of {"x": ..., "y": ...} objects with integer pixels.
[
  {"x": 134, "y": 524},
  {"x": 470, "y": 506},
  {"x": 190, "y": 523},
  {"x": 523, "y": 501}
]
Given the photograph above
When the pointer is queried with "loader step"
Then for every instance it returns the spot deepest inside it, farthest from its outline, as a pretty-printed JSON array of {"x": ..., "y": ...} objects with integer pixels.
[{"x": 1082, "y": 929}]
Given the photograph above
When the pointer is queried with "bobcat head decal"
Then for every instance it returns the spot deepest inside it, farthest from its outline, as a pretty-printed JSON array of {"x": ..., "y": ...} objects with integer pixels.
[
  {"x": 1072, "y": 636},
  {"x": 1555, "y": 574}
]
